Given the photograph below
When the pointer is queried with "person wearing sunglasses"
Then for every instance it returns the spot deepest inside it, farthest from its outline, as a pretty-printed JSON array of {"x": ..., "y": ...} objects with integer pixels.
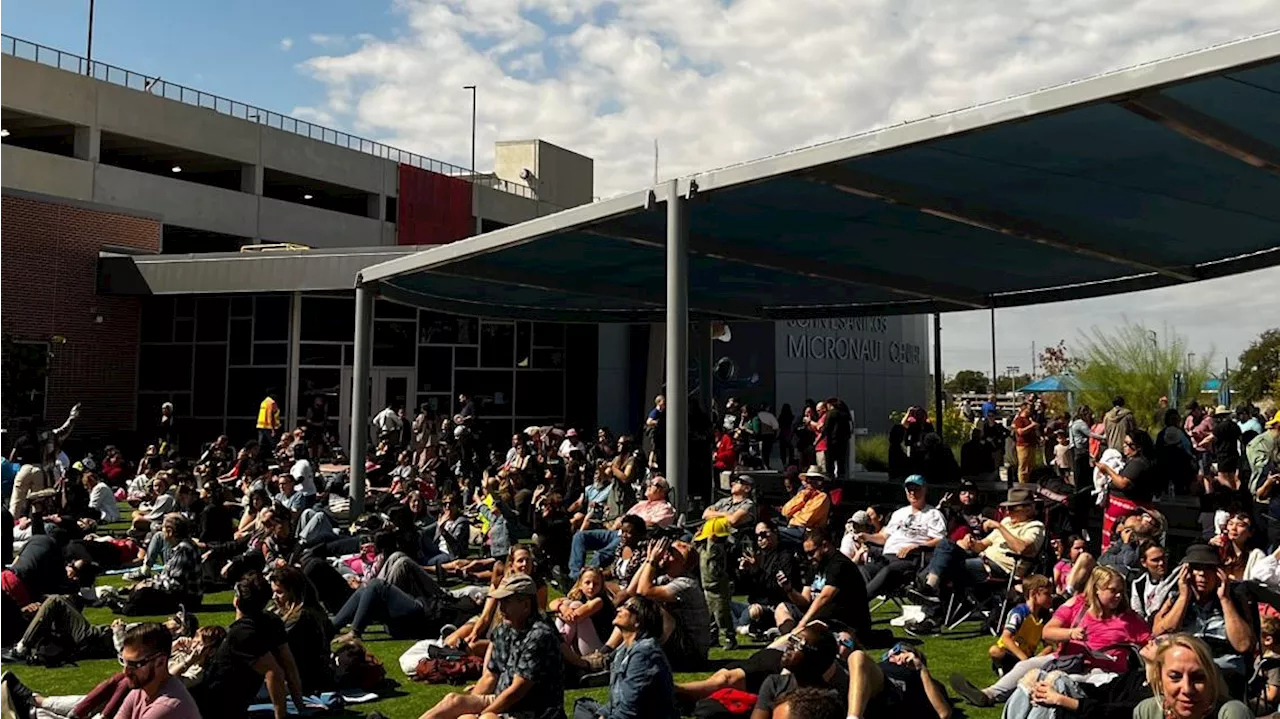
[
  {"x": 809, "y": 661},
  {"x": 145, "y": 659},
  {"x": 767, "y": 608},
  {"x": 838, "y": 591}
]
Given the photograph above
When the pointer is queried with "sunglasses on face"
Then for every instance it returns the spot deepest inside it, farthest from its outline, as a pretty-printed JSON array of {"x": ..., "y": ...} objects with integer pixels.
[
  {"x": 763, "y": 535},
  {"x": 134, "y": 664}
]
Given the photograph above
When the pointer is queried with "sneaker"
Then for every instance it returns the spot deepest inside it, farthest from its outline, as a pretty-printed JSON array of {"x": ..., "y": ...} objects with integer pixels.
[
  {"x": 743, "y": 631},
  {"x": 730, "y": 641},
  {"x": 594, "y": 679},
  {"x": 446, "y": 630},
  {"x": 922, "y": 628},
  {"x": 136, "y": 575},
  {"x": 971, "y": 694},
  {"x": 772, "y": 633},
  {"x": 19, "y": 695}
]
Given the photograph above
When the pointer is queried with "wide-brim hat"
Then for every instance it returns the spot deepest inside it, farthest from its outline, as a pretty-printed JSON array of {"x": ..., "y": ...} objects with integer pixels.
[
  {"x": 814, "y": 471},
  {"x": 1221, "y": 409},
  {"x": 514, "y": 584},
  {"x": 1018, "y": 496}
]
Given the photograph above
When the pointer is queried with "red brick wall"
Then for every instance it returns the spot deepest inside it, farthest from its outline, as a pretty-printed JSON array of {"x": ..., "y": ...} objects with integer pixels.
[{"x": 49, "y": 257}]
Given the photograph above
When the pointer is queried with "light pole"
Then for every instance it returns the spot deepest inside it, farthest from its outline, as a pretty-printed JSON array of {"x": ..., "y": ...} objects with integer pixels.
[
  {"x": 1012, "y": 370},
  {"x": 88, "y": 52},
  {"x": 475, "y": 195}
]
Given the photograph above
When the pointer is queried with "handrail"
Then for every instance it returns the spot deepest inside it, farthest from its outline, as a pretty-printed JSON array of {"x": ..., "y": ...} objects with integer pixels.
[{"x": 70, "y": 62}]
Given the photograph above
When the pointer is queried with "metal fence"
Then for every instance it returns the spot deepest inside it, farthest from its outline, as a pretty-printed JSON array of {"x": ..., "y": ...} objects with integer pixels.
[{"x": 158, "y": 86}]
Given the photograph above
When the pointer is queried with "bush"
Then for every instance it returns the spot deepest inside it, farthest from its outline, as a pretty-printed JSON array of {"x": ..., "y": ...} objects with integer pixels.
[{"x": 873, "y": 452}]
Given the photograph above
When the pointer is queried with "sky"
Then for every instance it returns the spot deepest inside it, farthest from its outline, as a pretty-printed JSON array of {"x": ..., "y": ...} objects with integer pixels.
[{"x": 714, "y": 82}]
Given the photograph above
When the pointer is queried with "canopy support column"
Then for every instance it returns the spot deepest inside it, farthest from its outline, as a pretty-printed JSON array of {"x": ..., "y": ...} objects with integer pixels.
[
  {"x": 677, "y": 425},
  {"x": 360, "y": 396},
  {"x": 937, "y": 371},
  {"x": 994, "y": 387}
]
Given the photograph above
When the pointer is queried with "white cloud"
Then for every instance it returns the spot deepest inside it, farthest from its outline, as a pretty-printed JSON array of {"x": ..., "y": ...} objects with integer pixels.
[
  {"x": 329, "y": 41},
  {"x": 286, "y": 43},
  {"x": 725, "y": 81}
]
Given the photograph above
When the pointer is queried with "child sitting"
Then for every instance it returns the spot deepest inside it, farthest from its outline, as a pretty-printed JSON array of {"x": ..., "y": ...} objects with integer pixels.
[
  {"x": 1265, "y": 692},
  {"x": 1020, "y": 638},
  {"x": 585, "y": 615}
]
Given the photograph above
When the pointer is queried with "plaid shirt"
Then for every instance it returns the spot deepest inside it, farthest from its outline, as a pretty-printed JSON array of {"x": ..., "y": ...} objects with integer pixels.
[{"x": 181, "y": 572}]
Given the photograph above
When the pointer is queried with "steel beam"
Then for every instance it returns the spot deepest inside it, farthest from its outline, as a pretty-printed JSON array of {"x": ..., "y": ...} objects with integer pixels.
[
  {"x": 959, "y": 211},
  {"x": 677, "y": 394},
  {"x": 1209, "y": 131},
  {"x": 360, "y": 396}
]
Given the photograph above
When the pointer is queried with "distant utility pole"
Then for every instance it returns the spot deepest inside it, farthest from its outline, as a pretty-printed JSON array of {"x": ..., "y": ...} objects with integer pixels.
[{"x": 88, "y": 52}]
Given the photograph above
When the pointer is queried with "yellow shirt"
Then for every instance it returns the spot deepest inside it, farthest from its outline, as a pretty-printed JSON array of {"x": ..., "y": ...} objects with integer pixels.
[
  {"x": 269, "y": 414},
  {"x": 808, "y": 509}
]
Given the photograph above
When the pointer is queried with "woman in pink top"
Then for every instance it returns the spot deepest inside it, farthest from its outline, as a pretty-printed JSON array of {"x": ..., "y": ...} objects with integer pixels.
[{"x": 1097, "y": 624}]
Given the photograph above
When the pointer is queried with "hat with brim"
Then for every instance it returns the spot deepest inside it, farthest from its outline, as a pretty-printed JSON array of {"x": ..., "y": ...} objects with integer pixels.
[
  {"x": 1274, "y": 421},
  {"x": 1018, "y": 497},
  {"x": 914, "y": 480},
  {"x": 515, "y": 584},
  {"x": 1202, "y": 555},
  {"x": 1221, "y": 409},
  {"x": 715, "y": 527},
  {"x": 814, "y": 471},
  {"x": 745, "y": 479}
]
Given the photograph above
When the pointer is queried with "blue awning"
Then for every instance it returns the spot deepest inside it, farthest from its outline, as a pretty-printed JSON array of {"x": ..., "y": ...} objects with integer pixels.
[
  {"x": 1054, "y": 383},
  {"x": 1156, "y": 175}
]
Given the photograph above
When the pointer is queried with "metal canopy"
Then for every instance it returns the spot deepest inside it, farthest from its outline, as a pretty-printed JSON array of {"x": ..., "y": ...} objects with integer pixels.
[{"x": 1155, "y": 175}]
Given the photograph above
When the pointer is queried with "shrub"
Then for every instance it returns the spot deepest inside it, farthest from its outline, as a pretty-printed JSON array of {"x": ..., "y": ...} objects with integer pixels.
[{"x": 873, "y": 452}]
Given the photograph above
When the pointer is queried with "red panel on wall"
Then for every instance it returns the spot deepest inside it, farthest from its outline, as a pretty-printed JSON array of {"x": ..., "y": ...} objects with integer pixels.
[{"x": 432, "y": 209}]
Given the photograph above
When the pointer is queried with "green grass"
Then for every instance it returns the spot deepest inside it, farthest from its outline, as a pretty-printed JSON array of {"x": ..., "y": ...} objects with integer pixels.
[{"x": 964, "y": 651}]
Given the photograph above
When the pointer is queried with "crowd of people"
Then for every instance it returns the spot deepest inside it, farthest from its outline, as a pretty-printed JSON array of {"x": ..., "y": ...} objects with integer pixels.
[{"x": 463, "y": 543}]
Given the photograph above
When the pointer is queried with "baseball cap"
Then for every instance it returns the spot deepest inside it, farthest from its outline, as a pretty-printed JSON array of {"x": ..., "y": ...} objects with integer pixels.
[
  {"x": 914, "y": 480},
  {"x": 968, "y": 485},
  {"x": 745, "y": 479},
  {"x": 514, "y": 584},
  {"x": 1274, "y": 420}
]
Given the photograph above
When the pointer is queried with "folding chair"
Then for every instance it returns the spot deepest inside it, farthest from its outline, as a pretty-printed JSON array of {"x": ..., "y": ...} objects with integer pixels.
[{"x": 968, "y": 601}]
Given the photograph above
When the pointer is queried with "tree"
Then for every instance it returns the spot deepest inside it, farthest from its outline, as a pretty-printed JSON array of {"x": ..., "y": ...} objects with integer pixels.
[
  {"x": 1133, "y": 362},
  {"x": 1259, "y": 367},
  {"x": 1004, "y": 385},
  {"x": 1057, "y": 360},
  {"x": 967, "y": 381}
]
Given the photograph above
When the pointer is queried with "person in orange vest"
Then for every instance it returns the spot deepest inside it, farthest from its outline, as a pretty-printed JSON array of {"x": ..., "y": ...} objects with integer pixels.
[{"x": 268, "y": 422}]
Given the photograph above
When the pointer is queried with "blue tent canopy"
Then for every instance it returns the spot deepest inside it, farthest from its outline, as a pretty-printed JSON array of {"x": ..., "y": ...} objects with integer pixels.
[{"x": 1054, "y": 383}]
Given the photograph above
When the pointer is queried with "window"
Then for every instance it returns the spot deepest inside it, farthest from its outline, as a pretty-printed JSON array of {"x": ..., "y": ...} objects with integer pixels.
[
  {"x": 26, "y": 379},
  {"x": 387, "y": 309},
  {"x": 157, "y": 319},
  {"x": 548, "y": 334},
  {"x": 165, "y": 368},
  {"x": 466, "y": 356},
  {"x": 248, "y": 385},
  {"x": 271, "y": 319},
  {"x": 209, "y": 393},
  {"x": 492, "y": 390},
  {"x": 393, "y": 344},
  {"x": 522, "y": 344},
  {"x": 435, "y": 369},
  {"x": 317, "y": 354},
  {"x": 539, "y": 393},
  {"x": 496, "y": 348},
  {"x": 437, "y": 329},
  {"x": 211, "y": 319},
  {"x": 329, "y": 319},
  {"x": 270, "y": 353},
  {"x": 241, "y": 342}
]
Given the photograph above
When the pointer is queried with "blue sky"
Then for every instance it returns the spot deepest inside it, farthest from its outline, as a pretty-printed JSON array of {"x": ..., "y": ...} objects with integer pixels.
[
  {"x": 714, "y": 82},
  {"x": 231, "y": 48}
]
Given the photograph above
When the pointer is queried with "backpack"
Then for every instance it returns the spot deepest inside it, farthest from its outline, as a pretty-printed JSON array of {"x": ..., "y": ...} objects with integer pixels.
[
  {"x": 449, "y": 671},
  {"x": 355, "y": 668},
  {"x": 725, "y": 704}
]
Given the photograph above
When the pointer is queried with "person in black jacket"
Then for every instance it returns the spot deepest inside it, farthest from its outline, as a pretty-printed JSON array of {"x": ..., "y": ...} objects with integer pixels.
[
  {"x": 307, "y": 628},
  {"x": 758, "y": 571}
]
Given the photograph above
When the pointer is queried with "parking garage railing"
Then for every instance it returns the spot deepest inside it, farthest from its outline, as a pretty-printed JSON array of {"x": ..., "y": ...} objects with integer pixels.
[{"x": 158, "y": 86}]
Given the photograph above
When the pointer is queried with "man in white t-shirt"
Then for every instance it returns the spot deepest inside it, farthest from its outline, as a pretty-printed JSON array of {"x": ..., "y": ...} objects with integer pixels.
[
  {"x": 915, "y": 527},
  {"x": 303, "y": 474}
]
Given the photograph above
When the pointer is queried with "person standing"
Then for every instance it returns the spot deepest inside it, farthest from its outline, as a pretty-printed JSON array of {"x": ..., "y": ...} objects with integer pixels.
[
  {"x": 268, "y": 421},
  {"x": 1026, "y": 434},
  {"x": 1117, "y": 424},
  {"x": 655, "y": 427}
]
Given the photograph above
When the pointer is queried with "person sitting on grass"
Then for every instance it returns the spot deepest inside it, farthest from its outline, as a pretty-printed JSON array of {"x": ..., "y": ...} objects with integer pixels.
[
  {"x": 641, "y": 685},
  {"x": 767, "y": 608},
  {"x": 585, "y": 615},
  {"x": 523, "y": 670},
  {"x": 180, "y": 582},
  {"x": 838, "y": 593},
  {"x": 255, "y": 651},
  {"x": 1021, "y": 635},
  {"x": 473, "y": 636}
]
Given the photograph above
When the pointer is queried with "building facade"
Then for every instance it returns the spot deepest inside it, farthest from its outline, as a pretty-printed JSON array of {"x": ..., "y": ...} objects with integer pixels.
[{"x": 162, "y": 244}]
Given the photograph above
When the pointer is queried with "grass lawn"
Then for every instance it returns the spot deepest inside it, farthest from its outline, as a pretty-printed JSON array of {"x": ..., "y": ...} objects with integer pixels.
[{"x": 963, "y": 651}]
